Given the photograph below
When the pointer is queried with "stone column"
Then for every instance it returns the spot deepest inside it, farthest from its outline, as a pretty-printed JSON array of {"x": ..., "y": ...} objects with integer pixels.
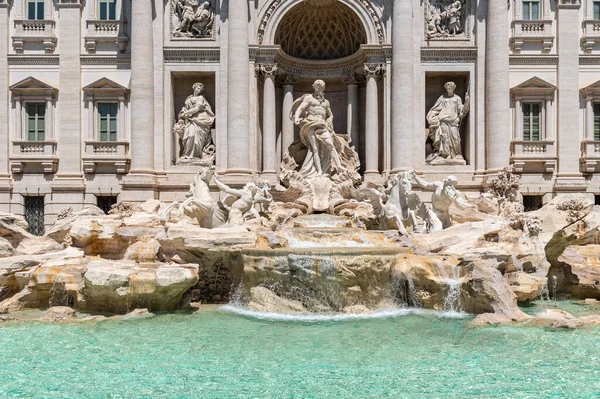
[
  {"x": 49, "y": 118},
  {"x": 142, "y": 89},
  {"x": 287, "y": 125},
  {"x": 70, "y": 99},
  {"x": 569, "y": 176},
  {"x": 589, "y": 117},
  {"x": 403, "y": 63},
  {"x": 269, "y": 131},
  {"x": 497, "y": 88},
  {"x": 549, "y": 118},
  {"x": 352, "y": 82},
  {"x": 238, "y": 157},
  {"x": 372, "y": 72},
  {"x": 4, "y": 93},
  {"x": 518, "y": 118}
]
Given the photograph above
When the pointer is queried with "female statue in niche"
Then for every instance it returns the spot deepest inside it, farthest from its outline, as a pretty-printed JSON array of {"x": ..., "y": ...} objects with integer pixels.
[
  {"x": 194, "y": 127},
  {"x": 444, "y": 120}
]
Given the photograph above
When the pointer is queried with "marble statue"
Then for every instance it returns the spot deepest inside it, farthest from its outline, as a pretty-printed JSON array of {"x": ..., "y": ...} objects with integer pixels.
[
  {"x": 319, "y": 170},
  {"x": 444, "y": 195},
  {"x": 444, "y": 120},
  {"x": 444, "y": 21},
  {"x": 195, "y": 18},
  {"x": 193, "y": 128},
  {"x": 312, "y": 112},
  {"x": 200, "y": 205},
  {"x": 243, "y": 206}
]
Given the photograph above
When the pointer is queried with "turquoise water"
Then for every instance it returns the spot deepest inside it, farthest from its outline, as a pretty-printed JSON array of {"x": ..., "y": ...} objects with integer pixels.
[{"x": 220, "y": 354}]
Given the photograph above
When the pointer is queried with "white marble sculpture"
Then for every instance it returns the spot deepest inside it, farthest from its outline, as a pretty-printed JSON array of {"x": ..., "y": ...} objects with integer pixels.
[
  {"x": 194, "y": 18},
  {"x": 444, "y": 195},
  {"x": 194, "y": 129},
  {"x": 318, "y": 168},
  {"x": 444, "y": 120},
  {"x": 199, "y": 206},
  {"x": 444, "y": 21},
  {"x": 244, "y": 202}
]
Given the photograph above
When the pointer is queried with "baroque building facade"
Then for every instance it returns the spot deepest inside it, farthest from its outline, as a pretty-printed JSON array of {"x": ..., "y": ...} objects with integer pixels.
[{"x": 99, "y": 101}]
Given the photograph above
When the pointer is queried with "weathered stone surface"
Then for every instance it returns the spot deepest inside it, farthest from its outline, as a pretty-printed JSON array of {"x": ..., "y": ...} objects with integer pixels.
[
  {"x": 356, "y": 309},
  {"x": 491, "y": 319},
  {"x": 6, "y": 248},
  {"x": 58, "y": 313},
  {"x": 119, "y": 286},
  {"x": 97, "y": 236},
  {"x": 264, "y": 300},
  {"x": 581, "y": 265},
  {"x": 61, "y": 228},
  {"x": 13, "y": 228},
  {"x": 138, "y": 314},
  {"x": 37, "y": 246},
  {"x": 143, "y": 251},
  {"x": 151, "y": 206},
  {"x": 526, "y": 286},
  {"x": 189, "y": 237}
]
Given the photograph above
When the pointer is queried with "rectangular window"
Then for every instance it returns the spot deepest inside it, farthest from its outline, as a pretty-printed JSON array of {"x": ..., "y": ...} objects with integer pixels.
[
  {"x": 36, "y": 121},
  {"x": 596, "y": 10},
  {"x": 531, "y": 10},
  {"x": 34, "y": 214},
  {"x": 596, "y": 121},
  {"x": 532, "y": 202},
  {"x": 108, "y": 121},
  {"x": 105, "y": 202},
  {"x": 108, "y": 10},
  {"x": 531, "y": 121},
  {"x": 35, "y": 9}
]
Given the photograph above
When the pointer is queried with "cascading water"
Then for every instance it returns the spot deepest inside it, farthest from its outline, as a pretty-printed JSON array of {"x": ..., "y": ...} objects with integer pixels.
[
  {"x": 59, "y": 295},
  {"x": 453, "y": 302}
]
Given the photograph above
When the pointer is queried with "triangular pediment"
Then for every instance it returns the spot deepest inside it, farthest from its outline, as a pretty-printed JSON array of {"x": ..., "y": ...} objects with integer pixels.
[
  {"x": 535, "y": 83},
  {"x": 31, "y": 83},
  {"x": 593, "y": 89},
  {"x": 104, "y": 84}
]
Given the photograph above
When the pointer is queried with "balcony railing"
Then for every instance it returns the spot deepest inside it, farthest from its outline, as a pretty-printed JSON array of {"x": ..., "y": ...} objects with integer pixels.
[
  {"x": 115, "y": 153},
  {"x": 107, "y": 32},
  {"x": 34, "y": 31},
  {"x": 591, "y": 155},
  {"x": 527, "y": 31},
  {"x": 526, "y": 153},
  {"x": 33, "y": 152},
  {"x": 591, "y": 34}
]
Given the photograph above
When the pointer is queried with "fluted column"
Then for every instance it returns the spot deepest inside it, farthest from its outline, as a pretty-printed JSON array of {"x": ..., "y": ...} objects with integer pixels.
[
  {"x": 569, "y": 176},
  {"x": 238, "y": 157},
  {"x": 402, "y": 85},
  {"x": 142, "y": 88},
  {"x": 287, "y": 125},
  {"x": 372, "y": 72},
  {"x": 497, "y": 104},
  {"x": 269, "y": 131},
  {"x": 352, "y": 82}
]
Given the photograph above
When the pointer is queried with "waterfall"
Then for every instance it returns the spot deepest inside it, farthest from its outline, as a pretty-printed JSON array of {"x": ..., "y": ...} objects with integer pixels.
[
  {"x": 452, "y": 302},
  {"x": 59, "y": 295}
]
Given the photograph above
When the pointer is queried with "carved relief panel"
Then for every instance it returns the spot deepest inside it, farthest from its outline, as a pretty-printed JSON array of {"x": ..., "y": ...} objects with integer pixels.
[
  {"x": 447, "y": 19},
  {"x": 193, "y": 19}
]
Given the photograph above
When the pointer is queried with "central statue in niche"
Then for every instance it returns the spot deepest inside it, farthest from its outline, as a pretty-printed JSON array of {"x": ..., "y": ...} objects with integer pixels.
[{"x": 320, "y": 168}]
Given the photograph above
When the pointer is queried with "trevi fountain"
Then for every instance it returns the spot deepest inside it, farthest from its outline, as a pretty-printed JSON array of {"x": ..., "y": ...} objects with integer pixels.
[{"x": 322, "y": 285}]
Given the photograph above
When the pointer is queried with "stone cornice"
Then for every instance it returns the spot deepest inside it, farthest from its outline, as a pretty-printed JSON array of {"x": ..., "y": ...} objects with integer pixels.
[
  {"x": 192, "y": 55},
  {"x": 441, "y": 54},
  {"x": 533, "y": 60},
  {"x": 68, "y": 4},
  {"x": 100, "y": 60},
  {"x": 576, "y": 4},
  {"x": 33, "y": 60},
  {"x": 589, "y": 60}
]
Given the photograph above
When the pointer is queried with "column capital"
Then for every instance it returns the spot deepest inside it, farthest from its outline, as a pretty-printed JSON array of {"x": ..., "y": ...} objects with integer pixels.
[
  {"x": 372, "y": 70},
  {"x": 287, "y": 79},
  {"x": 267, "y": 70},
  {"x": 353, "y": 79}
]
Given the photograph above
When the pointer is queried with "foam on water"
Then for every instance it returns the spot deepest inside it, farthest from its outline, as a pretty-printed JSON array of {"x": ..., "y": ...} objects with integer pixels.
[{"x": 326, "y": 317}]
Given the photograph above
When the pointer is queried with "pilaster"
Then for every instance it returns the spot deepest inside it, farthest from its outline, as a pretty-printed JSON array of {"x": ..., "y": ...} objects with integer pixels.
[
  {"x": 569, "y": 176},
  {"x": 4, "y": 97},
  {"x": 287, "y": 125},
  {"x": 269, "y": 131}
]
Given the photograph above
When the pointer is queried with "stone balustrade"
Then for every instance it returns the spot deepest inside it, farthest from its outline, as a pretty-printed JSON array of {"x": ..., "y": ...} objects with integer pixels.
[
  {"x": 527, "y": 31},
  {"x": 527, "y": 153},
  {"x": 33, "y": 152},
  {"x": 107, "y": 32},
  {"x": 114, "y": 154},
  {"x": 34, "y": 31},
  {"x": 591, "y": 34},
  {"x": 591, "y": 155}
]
